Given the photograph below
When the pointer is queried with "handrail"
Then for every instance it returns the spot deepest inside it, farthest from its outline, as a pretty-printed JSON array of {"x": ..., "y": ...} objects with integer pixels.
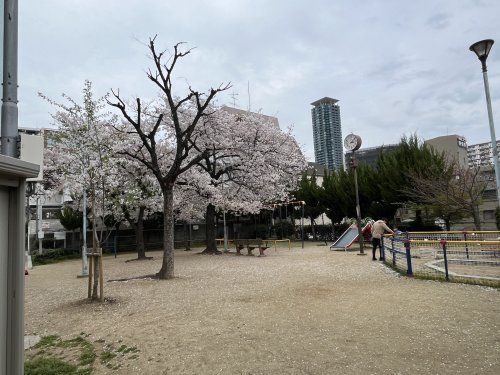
[
  {"x": 456, "y": 232},
  {"x": 469, "y": 240}
]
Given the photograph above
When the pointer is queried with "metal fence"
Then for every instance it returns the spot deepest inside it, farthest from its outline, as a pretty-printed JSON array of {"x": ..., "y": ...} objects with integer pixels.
[{"x": 472, "y": 257}]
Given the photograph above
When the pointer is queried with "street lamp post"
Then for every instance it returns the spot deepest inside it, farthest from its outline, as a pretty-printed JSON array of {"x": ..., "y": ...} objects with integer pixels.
[{"x": 482, "y": 49}]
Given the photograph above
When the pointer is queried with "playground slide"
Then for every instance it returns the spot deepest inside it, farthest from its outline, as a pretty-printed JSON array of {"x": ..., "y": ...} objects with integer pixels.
[{"x": 349, "y": 236}]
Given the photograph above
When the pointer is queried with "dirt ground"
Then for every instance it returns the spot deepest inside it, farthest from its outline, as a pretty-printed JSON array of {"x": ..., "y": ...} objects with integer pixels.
[{"x": 308, "y": 311}]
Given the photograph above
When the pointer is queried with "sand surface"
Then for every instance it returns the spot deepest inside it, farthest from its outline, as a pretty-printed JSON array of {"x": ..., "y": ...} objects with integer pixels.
[{"x": 308, "y": 311}]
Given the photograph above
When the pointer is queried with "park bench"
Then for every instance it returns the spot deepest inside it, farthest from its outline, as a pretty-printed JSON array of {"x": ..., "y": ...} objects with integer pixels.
[{"x": 251, "y": 244}]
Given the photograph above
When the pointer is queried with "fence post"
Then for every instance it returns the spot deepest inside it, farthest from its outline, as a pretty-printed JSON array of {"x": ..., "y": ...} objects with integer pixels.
[
  {"x": 393, "y": 252},
  {"x": 382, "y": 247},
  {"x": 115, "y": 243},
  {"x": 466, "y": 245},
  {"x": 443, "y": 244},
  {"x": 409, "y": 269}
]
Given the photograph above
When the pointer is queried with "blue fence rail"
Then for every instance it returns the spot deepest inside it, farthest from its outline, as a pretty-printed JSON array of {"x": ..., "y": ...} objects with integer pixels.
[{"x": 446, "y": 256}]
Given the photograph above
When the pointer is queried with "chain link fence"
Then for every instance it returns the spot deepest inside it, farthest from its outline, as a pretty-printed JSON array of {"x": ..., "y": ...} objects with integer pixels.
[{"x": 471, "y": 257}]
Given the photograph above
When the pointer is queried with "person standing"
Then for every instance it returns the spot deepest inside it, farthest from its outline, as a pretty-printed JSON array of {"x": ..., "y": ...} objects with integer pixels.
[{"x": 378, "y": 230}]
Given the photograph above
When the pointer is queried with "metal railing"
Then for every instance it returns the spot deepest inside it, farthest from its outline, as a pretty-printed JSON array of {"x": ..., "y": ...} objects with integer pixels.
[{"x": 472, "y": 257}]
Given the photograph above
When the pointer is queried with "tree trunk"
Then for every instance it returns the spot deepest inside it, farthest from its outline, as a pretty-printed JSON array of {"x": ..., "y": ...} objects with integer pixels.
[
  {"x": 477, "y": 219},
  {"x": 167, "y": 267},
  {"x": 313, "y": 228},
  {"x": 447, "y": 223},
  {"x": 187, "y": 235},
  {"x": 210, "y": 231},
  {"x": 139, "y": 234}
]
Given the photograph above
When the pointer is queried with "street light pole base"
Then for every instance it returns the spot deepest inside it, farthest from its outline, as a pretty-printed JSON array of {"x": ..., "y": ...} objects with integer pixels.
[{"x": 82, "y": 276}]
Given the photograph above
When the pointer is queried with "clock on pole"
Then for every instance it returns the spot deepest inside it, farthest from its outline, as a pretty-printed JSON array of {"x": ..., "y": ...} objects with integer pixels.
[{"x": 352, "y": 142}]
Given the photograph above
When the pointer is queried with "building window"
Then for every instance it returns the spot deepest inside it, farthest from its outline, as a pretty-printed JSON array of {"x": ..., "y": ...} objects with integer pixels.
[
  {"x": 488, "y": 215},
  {"x": 462, "y": 142}
]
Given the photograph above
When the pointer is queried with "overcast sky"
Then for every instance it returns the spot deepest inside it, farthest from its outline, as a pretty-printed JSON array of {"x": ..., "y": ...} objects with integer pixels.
[{"x": 396, "y": 66}]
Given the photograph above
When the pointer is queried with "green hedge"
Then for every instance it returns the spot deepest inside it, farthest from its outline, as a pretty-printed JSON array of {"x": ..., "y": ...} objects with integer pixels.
[{"x": 54, "y": 256}]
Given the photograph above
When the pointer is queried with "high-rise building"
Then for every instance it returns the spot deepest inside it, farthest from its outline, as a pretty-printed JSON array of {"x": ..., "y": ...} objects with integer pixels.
[
  {"x": 327, "y": 133},
  {"x": 481, "y": 154}
]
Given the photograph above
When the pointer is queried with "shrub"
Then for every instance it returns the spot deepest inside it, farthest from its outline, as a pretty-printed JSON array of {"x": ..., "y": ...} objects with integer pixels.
[
  {"x": 54, "y": 256},
  {"x": 419, "y": 226},
  {"x": 261, "y": 231},
  {"x": 283, "y": 229}
]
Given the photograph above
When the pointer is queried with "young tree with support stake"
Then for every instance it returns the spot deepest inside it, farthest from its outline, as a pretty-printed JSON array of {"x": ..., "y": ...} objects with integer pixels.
[
  {"x": 166, "y": 141},
  {"x": 79, "y": 161}
]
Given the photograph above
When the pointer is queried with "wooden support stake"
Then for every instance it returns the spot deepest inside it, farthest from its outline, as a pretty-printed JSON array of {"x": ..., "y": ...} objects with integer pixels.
[
  {"x": 90, "y": 260},
  {"x": 101, "y": 277}
]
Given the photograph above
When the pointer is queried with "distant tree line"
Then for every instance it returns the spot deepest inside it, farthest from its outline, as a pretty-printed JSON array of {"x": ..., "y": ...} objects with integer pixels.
[{"x": 414, "y": 175}]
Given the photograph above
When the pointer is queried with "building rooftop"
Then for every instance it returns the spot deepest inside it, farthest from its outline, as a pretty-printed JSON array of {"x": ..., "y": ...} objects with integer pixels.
[
  {"x": 326, "y": 99},
  {"x": 272, "y": 119}
]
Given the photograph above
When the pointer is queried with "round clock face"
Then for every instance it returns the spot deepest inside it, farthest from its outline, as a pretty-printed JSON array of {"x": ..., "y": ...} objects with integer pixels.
[{"x": 352, "y": 142}]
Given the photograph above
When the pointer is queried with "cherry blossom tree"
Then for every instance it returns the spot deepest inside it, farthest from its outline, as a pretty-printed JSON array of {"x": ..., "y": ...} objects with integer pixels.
[
  {"x": 249, "y": 163},
  {"x": 134, "y": 195},
  {"x": 165, "y": 138},
  {"x": 80, "y": 159}
]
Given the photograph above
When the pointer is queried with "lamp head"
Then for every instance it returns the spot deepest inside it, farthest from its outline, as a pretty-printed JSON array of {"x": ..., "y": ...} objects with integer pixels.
[{"x": 482, "y": 48}]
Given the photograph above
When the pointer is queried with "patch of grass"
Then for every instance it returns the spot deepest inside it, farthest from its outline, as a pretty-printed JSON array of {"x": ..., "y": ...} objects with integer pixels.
[
  {"x": 48, "y": 344},
  {"x": 73, "y": 343},
  {"x": 87, "y": 357},
  {"x": 75, "y": 356},
  {"x": 47, "y": 341},
  {"x": 124, "y": 349},
  {"x": 49, "y": 366},
  {"x": 107, "y": 356}
]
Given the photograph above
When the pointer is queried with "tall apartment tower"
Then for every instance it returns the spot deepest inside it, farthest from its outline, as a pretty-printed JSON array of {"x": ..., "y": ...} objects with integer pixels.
[{"x": 327, "y": 133}]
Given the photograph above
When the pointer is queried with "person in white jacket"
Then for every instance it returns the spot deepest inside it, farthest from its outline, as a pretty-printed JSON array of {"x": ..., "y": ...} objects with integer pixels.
[{"x": 378, "y": 230}]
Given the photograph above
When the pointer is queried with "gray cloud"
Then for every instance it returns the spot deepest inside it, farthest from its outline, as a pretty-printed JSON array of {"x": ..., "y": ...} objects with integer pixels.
[
  {"x": 396, "y": 66},
  {"x": 439, "y": 21}
]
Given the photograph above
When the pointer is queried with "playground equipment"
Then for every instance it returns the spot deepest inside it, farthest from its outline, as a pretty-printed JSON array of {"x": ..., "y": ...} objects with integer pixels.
[
  {"x": 349, "y": 236},
  {"x": 266, "y": 242},
  {"x": 471, "y": 256},
  {"x": 295, "y": 204}
]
